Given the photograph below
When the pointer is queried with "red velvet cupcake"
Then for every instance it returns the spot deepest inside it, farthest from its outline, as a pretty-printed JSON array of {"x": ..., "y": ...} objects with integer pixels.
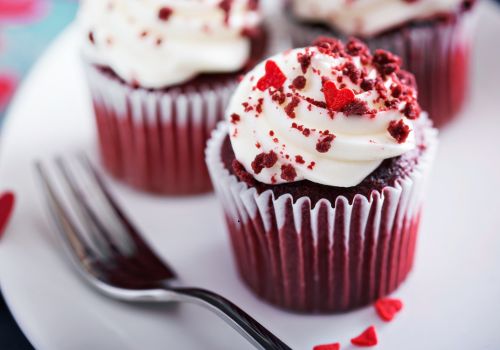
[
  {"x": 160, "y": 75},
  {"x": 321, "y": 168},
  {"x": 433, "y": 37}
]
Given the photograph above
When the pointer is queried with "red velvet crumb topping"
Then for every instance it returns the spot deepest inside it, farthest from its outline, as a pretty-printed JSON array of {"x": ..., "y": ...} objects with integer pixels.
[
  {"x": 264, "y": 160},
  {"x": 399, "y": 130},
  {"x": 164, "y": 13},
  {"x": 325, "y": 143},
  {"x": 235, "y": 118},
  {"x": 288, "y": 172}
]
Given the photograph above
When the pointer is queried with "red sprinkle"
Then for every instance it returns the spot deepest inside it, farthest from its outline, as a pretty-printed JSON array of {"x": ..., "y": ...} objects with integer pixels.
[
  {"x": 367, "y": 338},
  {"x": 165, "y": 13},
  {"x": 334, "y": 346},
  {"x": 325, "y": 143},
  {"x": 336, "y": 99},
  {"x": 388, "y": 308},
  {"x": 399, "y": 130},
  {"x": 7, "y": 202},
  {"x": 288, "y": 172},
  {"x": 274, "y": 77},
  {"x": 264, "y": 160}
]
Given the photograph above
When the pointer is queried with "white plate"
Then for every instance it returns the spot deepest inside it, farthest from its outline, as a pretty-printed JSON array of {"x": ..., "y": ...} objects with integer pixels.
[{"x": 451, "y": 299}]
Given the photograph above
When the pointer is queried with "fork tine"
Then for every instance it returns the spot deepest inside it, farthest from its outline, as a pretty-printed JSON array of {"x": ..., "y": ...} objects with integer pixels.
[
  {"x": 98, "y": 230},
  {"x": 143, "y": 248},
  {"x": 69, "y": 233}
]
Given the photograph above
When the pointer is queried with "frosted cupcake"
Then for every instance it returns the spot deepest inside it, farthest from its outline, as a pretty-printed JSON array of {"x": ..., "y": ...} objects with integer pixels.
[
  {"x": 320, "y": 169},
  {"x": 433, "y": 37},
  {"x": 160, "y": 74}
]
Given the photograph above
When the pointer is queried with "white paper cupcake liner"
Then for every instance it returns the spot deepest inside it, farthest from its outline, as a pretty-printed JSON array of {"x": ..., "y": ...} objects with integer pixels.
[{"x": 323, "y": 258}]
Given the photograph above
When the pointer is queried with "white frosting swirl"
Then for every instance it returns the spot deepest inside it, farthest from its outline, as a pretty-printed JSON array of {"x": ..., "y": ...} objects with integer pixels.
[
  {"x": 360, "y": 145},
  {"x": 369, "y": 17},
  {"x": 193, "y": 37}
]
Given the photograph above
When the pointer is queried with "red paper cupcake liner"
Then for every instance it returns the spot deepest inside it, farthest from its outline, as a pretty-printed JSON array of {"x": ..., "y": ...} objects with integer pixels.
[
  {"x": 438, "y": 53},
  {"x": 155, "y": 140},
  {"x": 323, "y": 258}
]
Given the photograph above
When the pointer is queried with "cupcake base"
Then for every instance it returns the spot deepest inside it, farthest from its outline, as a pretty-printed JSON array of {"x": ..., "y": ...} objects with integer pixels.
[
  {"x": 436, "y": 51},
  {"x": 154, "y": 140},
  {"x": 321, "y": 257}
]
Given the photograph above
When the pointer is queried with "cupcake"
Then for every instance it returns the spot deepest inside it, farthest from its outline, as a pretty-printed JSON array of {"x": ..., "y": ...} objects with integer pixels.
[
  {"x": 321, "y": 168},
  {"x": 160, "y": 75},
  {"x": 433, "y": 37}
]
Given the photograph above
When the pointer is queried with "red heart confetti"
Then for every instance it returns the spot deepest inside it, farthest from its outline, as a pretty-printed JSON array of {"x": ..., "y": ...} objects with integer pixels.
[
  {"x": 7, "y": 201},
  {"x": 336, "y": 99},
  {"x": 388, "y": 308},
  {"x": 367, "y": 338},
  {"x": 334, "y": 346},
  {"x": 274, "y": 77}
]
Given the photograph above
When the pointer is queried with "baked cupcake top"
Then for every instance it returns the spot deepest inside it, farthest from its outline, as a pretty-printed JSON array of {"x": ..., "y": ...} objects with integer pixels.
[
  {"x": 330, "y": 114},
  {"x": 370, "y": 17},
  {"x": 161, "y": 43}
]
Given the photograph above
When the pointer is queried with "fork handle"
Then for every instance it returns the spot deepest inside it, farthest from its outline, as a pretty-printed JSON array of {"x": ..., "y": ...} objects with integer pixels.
[{"x": 242, "y": 322}]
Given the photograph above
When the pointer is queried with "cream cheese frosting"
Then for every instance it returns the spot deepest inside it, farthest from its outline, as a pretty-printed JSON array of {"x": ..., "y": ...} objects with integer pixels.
[
  {"x": 160, "y": 43},
  {"x": 328, "y": 114},
  {"x": 369, "y": 17}
]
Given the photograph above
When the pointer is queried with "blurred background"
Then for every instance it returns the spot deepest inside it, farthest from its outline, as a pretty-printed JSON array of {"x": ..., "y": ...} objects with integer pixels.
[{"x": 26, "y": 28}]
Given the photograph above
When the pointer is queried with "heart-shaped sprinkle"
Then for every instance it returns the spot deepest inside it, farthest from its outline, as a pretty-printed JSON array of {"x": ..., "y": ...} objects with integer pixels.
[
  {"x": 388, "y": 308},
  {"x": 7, "y": 201},
  {"x": 274, "y": 77},
  {"x": 334, "y": 346},
  {"x": 367, "y": 338},
  {"x": 336, "y": 99}
]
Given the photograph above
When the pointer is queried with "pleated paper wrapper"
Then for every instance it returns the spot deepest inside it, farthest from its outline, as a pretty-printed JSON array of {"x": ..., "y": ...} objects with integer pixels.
[{"x": 155, "y": 140}]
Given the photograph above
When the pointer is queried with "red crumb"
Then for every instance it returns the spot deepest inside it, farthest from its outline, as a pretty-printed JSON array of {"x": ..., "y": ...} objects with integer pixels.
[
  {"x": 299, "y": 160},
  {"x": 356, "y": 107},
  {"x": 264, "y": 160},
  {"x": 399, "y": 130},
  {"x": 385, "y": 62},
  {"x": 290, "y": 108},
  {"x": 334, "y": 346},
  {"x": 258, "y": 107},
  {"x": 300, "y": 82},
  {"x": 325, "y": 143},
  {"x": 329, "y": 46},
  {"x": 165, "y": 13},
  {"x": 305, "y": 61},
  {"x": 288, "y": 172},
  {"x": 91, "y": 37},
  {"x": 274, "y": 77},
  {"x": 412, "y": 110},
  {"x": 388, "y": 308},
  {"x": 235, "y": 118},
  {"x": 226, "y": 5},
  {"x": 352, "y": 72},
  {"x": 367, "y": 84},
  {"x": 311, "y": 165},
  {"x": 336, "y": 99},
  {"x": 367, "y": 338},
  {"x": 242, "y": 174}
]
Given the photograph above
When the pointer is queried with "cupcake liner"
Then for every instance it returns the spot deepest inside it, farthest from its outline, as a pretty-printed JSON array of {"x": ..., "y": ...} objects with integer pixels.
[
  {"x": 438, "y": 53},
  {"x": 321, "y": 258},
  {"x": 155, "y": 140}
]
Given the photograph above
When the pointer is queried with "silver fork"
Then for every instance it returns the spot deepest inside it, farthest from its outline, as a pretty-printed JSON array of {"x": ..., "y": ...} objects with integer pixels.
[{"x": 132, "y": 273}]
